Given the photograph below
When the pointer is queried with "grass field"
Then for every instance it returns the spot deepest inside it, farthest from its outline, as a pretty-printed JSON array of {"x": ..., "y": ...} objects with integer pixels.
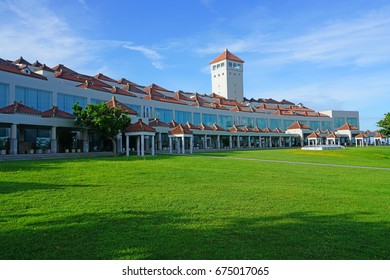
[{"x": 199, "y": 207}]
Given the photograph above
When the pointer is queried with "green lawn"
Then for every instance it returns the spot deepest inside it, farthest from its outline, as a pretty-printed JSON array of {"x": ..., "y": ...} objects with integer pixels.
[{"x": 199, "y": 207}]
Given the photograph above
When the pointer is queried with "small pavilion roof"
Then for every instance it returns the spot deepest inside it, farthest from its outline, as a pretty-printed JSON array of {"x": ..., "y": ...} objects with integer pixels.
[
  {"x": 216, "y": 127},
  {"x": 380, "y": 135},
  {"x": 361, "y": 136},
  {"x": 332, "y": 135},
  {"x": 19, "y": 108},
  {"x": 139, "y": 126},
  {"x": 347, "y": 126},
  {"x": 156, "y": 122},
  {"x": 54, "y": 112},
  {"x": 314, "y": 135},
  {"x": 179, "y": 130},
  {"x": 298, "y": 125}
]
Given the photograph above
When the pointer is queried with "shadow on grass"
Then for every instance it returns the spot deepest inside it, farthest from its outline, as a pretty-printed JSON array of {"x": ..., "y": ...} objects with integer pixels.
[{"x": 169, "y": 235}]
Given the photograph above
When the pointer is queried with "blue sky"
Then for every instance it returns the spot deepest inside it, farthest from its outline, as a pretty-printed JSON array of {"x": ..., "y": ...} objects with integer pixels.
[{"x": 325, "y": 54}]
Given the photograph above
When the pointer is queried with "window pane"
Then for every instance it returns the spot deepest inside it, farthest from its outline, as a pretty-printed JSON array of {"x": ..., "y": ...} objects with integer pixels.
[
  {"x": 3, "y": 95},
  {"x": 209, "y": 119}
]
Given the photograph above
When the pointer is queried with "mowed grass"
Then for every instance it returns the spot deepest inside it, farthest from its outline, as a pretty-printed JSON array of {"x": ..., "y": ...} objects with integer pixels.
[{"x": 175, "y": 207}]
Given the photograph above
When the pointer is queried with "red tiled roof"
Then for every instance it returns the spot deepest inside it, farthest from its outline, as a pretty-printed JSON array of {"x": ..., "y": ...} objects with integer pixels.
[
  {"x": 157, "y": 122},
  {"x": 191, "y": 126},
  {"x": 173, "y": 124},
  {"x": 91, "y": 85},
  {"x": 235, "y": 129},
  {"x": 153, "y": 87},
  {"x": 298, "y": 125},
  {"x": 132, "y": 88},
  {"x": 314, "y": 135},
  {"x": 43, "y": 67},
  {"x": 257, "y": 129},
  {"x": 19, "y": 108},
  {"x": 7, "y": 67},
  {"x": 204, "y": 127},
  {"x": 380, "y": 135},
  {"x": 347, "y": 126},
  {"x": 178, "y": 130},
  {"x": 37, "y": 64},
  {"x": 278, "y": 130},
  {"x": 226, "y": 55},
  {"x": 179, "y": 95},
  {"x": 116, "y": 90},
  {"x": 267, "y": 129},
  {"x": 117, "y": 104},
  {"x": 332, "y": 135},
  {"x": 21, "y": 60},
  {"x": 62, "y": 67},
  {"x": 139, "y": 127},
  {"x": 216, "y": 127},
  {"x": 54, "y": 112},
  {"x": 125, "y": 81},
  {"x": 104, "y": 78},
  {"x": 361, "y": 135}
]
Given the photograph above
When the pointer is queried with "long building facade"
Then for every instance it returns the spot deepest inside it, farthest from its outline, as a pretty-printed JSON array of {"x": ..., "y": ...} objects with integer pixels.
[{"x": 36, "y": 113}]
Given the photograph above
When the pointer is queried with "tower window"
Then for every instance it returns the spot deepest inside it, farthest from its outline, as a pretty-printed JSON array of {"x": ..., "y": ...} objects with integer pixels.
[
  {"x": 230, "y": 64},
  {"x": 214, "y": 67},
  {"x": 222, "y": 64}
]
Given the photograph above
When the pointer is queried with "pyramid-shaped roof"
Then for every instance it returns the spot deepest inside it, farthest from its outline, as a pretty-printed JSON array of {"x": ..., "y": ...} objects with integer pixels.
[
  {"x": 54, "y": 112},
  {"x": 116, "y": 104},
  {"x": 179, "y": 130},
  {"x": 347, "y": 126},
  {"x": 298, "y": 125},
  {"x": 139, "y": 127},
  {"x": 19, "y": 108},
  {"x": 226, "y": 55}
]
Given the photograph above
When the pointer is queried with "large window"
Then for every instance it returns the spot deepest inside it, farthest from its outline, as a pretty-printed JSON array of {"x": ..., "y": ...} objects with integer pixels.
[
  {"x": 326, "y": 125},
  {"x": 287, "y": 123},
  {"x": 314, "y": 125},
  {"x": 35, "y": 98},
  {"x": 261, "y": 122},
  {"x": 3, "y": 95},
  {"x": 353, "y": 121},
  {"x": 196, "y": 118},
  {"x": 136, "y": 108},
  {"x": 182, "y": 117},
  {"x": 225, "y": 121},
  {"x": 209, "y": 119},
  {"x": 163, "y": 115},
  {"x": 338, "y": 122},
  {"x": 247, "y": 121},
  {"x": 65, "y": 102},
  {"x": 274, "y": 123}
]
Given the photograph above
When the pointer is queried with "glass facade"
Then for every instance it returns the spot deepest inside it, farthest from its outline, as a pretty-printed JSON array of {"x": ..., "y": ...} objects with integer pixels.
[
  {"x": 326, "y": 125},
  {"x": 196, "y": 118},
  {"x": 261, "y": 122},
  {"x": 163, "y": 115},
  {"x": 209, "y": 119},
  {"x": 182, "y": 117},
  {"x": 287, "y": 123},
  {"x": 247, "y": 121},
  {"x": 136, "y": 108},
  {"x": 338, "y": 122},
  {"x": 314, "y": 125},
  {"x": 65, "y": 102},
  {"x": 35, "y": 98},
  {"x": 274, "y": 123},
  {"x": 225, "y": 121},
  {"x": 3, "y": 95},
  {"x": 353, "y": 121}
]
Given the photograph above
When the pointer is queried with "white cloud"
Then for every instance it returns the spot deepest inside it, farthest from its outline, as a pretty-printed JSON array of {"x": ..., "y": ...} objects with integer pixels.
[{"x": 152, "y": 55}]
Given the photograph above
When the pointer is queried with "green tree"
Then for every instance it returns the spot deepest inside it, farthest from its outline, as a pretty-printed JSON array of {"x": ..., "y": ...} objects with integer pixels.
[
  {"x": 108, "y": 121},
  {"x": 385, "y": 124}
]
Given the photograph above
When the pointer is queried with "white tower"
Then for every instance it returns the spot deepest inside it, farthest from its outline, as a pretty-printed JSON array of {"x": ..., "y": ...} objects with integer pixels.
[{"x": 227, "y": 76}]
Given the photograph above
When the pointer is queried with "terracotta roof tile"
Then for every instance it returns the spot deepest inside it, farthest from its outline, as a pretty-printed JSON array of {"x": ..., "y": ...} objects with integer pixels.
[
  {"x": 19, "y": 108},
  {"x": 173, "y": 124},
  {"x": 191, "y": 126},
  {"x": 156, "y": 122},
  {"x": 216, "y": 127},
  {"x": 380, "y": 135},
  {"x": 117, "y": 104},
  {"x": 347, "y": 126},
  {"x": 125, "y": 82},
  {"x": 226, "y": 55},
  {"x": 298, "y": 125},
  {"x": 43, "y": 67},
  {"x": 204, "y": 127},
  {"x": 139, "y": 127},
  {"x": 178, "y": 130},
  {"x": 21, "y": 60},
  {"x": 116, "y": 90},
  {"x": 104, "y": 78},
  {"x": 361, "y": 135},
  {"x": 37, "y": 64},
  {"x": 132, "y": 88},
  {"x": 314, "y": 135},
  {"x": 332, "y": 135},
  {"x": 54, "y": 112},
  {"x": 234, "y": 128}
]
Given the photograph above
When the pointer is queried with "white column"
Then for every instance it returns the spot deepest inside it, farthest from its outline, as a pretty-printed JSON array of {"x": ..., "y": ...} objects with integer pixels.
[
  {"x": 218, "y": 142},
  {"x": 238, "y": 141},
  {"x": 14, "y": 140},
  {"x": 289, "y": 141},
  {"x": 230, "y": 142},
  {"x": 138, "y": 145},
  {"x": 119, "y": 148},
  {"x": 127, "y": 146},
  {"x": 183, "y": 144},
  {"x": 259, "y": 141},
  {"x": 170, "y": 145},
  {"x": 152, "y": 145},
  {"x": 53, "y": 140},
  {"x": 249, "y": 142},
  {"x": 191, "y": 143},
  {"x": 270, "y": 141},
  {"x": 205, "y": 141},
  {"x": 159, "y": 142},
  {"x": 142, "y": 145},
  {"x": 85, "y": 141}
]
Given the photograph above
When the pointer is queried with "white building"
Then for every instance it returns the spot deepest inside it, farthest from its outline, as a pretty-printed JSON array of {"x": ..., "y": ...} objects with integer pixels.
[{"x": 36, "y": 103}]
